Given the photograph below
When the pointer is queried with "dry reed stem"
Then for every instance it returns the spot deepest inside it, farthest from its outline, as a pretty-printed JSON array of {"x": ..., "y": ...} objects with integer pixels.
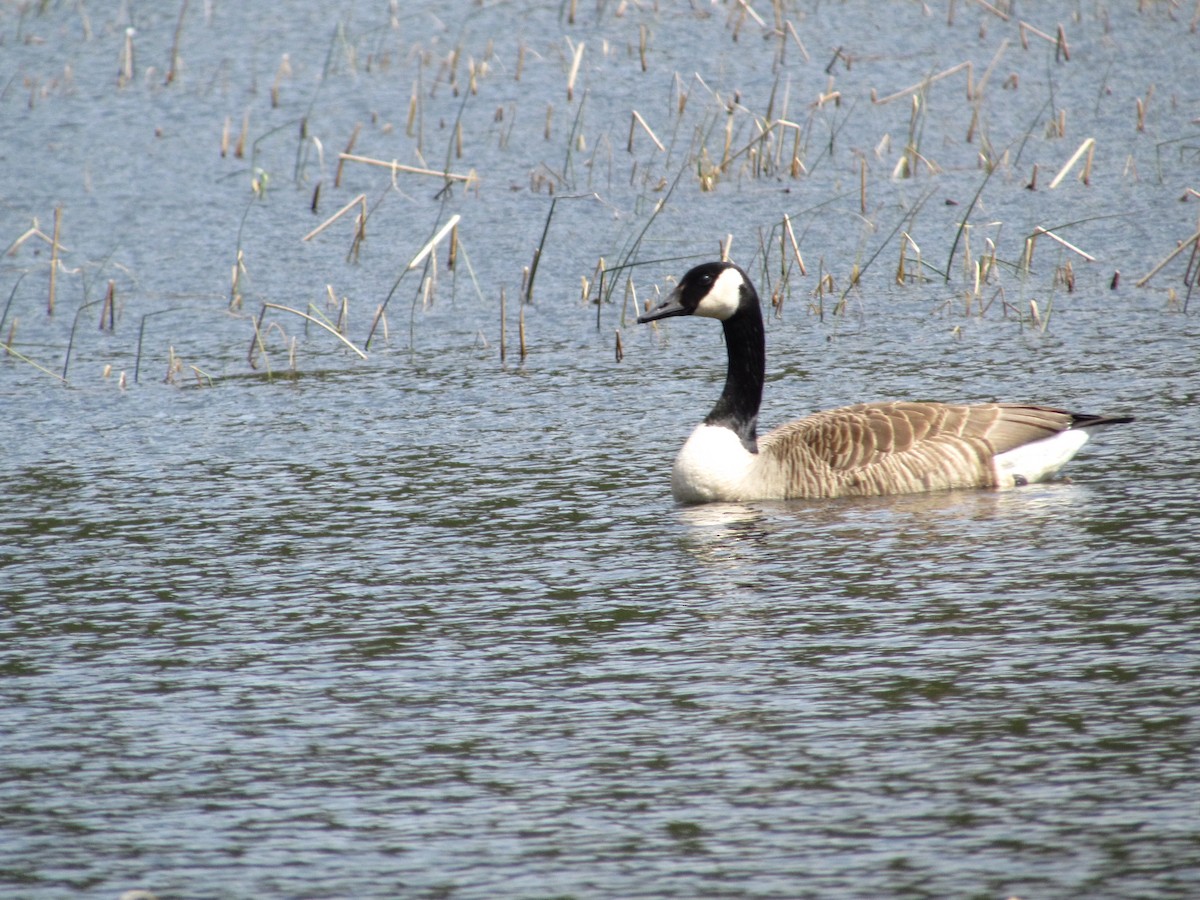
[
  {"x": 380, "y": 316},
  {"x": 411, "y": 170},
  {"x": 977, "y": 90},
  {"x": 433, "y": 242},
  {"x": 54, "y": 259},
  {"x": 337, "y": 179},
  {"x": 1059, "y": 40},
  {"x": 577, "y": 58},
  {"x": 862, "y": 185},
  {"x": 995, "y": 12},
  {"x": 174, "y": 66},
  {"x": 239, "y": 149},
  {"x": 1061, "y": 47},
  {"x": 638, "y": 120},
  {"x": 314, "y": 320},
  {"x": 109, "y": 307},
  {"x": 360, "y": 200},
  {"x": 921, "y": 85},
  {"x": 503, "y": 331},
  {"x": 760, "y": 138},
  {"x": 521, "y": 333},
  {"x": 750, "y": 11},
  {"x": 126, "y": 73},
  {"x": 9, "y": 351},
  {"x": 1039, "y": 230},
  {"x": 901, "y": 269},
  {"x": 235, "y": 289},
  {"x": 799, "y": 43},
  {"x": 1087, "y": 147},
  {"x": 33, "y": 232},
  {"x": 1193, "y": 240},
  {"x": 787, "y": 224}
]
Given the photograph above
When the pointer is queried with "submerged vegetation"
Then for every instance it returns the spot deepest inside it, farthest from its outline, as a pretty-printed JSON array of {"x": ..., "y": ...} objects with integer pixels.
[{"x": 588, "y": 153}]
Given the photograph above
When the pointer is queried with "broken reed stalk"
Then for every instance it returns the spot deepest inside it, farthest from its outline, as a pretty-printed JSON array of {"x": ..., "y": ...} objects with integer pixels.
[
  {"x": 239, "y": 149},
  {"x": 126, "y": 71},
  {"x": 577, "y": 58},
  {"x": 638, "y": 120},
  {"x": 922, "y": 85},
  {"x": 256, "y": 344},
  {"x": 1194, "y": 240},
  {"x": 9, "y": 351},
  {"x": 759, "y": 138},
  {"x": 416, "y": 261},
  {"x": 1039, "y": 230},
  {"x": 360, "y": 201},
  {"x": 503, "y": 332},
  {"x": 906, "y": 241},
  {"x": 862, "y": 184},
  {"x": 54, "y": 259},
  {"x": 173, "y": 69},
  {"x": 314, "y": 320},
  {"x": 109, "y": 307},
  {"x": 521, "y": 333},
  {"x": 1062, "y": 52},
  {"x": 434, "y": 241},
  {"x": 787, "y": 224},
  {"x": 799, "y": 43},
  {"x": 337, "y": 178},
  {"x": 284, "y": 71},
  {"x": 1088, "y": 147},
  {"x": 396, "y": 167}
]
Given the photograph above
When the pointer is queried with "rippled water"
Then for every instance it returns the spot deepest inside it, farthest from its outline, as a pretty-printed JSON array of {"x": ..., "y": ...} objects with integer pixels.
[{"x": 428, "y": 625}]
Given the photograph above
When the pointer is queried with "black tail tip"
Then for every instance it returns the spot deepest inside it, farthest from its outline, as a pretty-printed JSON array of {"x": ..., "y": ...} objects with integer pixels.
[{"x": 1086, "y": 420}]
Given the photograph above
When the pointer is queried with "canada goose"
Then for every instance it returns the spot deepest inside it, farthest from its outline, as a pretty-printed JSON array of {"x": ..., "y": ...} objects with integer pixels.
[{"x": 866, "y": 449}]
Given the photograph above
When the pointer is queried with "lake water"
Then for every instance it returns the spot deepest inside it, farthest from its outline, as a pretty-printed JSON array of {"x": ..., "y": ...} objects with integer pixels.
[{"x": 428, "y": 624}]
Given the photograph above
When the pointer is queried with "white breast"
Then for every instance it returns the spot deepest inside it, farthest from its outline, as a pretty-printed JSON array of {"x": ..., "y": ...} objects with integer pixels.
[{"x": 713, "y": 465}]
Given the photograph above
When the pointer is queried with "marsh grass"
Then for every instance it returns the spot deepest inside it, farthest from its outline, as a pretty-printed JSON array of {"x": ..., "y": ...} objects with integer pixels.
[{"x": 689, "y": 143}]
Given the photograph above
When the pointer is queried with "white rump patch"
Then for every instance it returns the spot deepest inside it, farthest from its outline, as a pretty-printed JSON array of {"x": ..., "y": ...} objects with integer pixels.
[
  {"x": 1039, "y": 460},
  {"x": 723, "y": 297},
  {"x": 712, "y": 465}
]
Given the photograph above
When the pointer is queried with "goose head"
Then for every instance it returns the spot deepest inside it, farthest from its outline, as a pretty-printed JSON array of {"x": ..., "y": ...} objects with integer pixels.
[{"x": 717, "y": 290}]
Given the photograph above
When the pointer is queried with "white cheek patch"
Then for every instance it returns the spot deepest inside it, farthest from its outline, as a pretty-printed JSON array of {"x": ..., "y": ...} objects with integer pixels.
[{"x": 723, "y": 297}]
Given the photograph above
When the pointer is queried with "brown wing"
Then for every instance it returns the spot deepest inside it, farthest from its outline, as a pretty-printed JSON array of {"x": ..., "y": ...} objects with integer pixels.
[{"x": 902, "y": 447}]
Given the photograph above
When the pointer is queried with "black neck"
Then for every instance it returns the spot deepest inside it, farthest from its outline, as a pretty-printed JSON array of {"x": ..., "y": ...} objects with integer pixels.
[{"x": 745, "y": 342}]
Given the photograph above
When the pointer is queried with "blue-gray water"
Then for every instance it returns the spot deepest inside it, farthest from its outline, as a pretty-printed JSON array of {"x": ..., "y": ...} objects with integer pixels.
[{"x": 429, "y": 625}]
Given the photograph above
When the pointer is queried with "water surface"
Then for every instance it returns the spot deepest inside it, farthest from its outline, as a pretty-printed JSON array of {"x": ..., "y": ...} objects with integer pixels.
[{"x": 430, "y": 625}]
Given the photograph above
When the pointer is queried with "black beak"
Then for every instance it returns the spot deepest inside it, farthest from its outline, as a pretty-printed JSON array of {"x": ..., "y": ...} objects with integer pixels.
[{"x": 671, "y": 306}]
